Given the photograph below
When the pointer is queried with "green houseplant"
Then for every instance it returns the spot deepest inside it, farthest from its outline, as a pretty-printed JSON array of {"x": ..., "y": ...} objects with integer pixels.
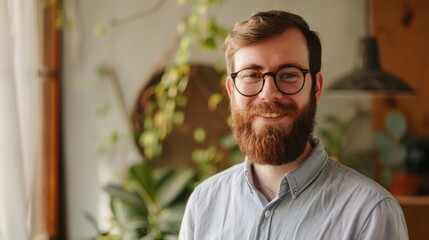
[
  {"x": 150, "y": 203},
  {"x": 335, "y": 135},
  {"x": 394, "y": 156}
]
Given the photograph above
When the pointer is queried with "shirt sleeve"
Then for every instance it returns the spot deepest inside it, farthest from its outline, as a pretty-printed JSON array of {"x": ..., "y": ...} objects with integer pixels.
[
  {"x": 385, "y": 222},
  {"x": 187, "y": 226}
]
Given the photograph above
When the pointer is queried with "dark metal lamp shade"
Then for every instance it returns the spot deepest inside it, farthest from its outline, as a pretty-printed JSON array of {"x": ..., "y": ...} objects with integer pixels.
[{"x": 370, "y": 77}]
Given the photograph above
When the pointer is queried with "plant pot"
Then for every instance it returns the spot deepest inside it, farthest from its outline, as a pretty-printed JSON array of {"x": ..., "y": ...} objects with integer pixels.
[{"x": 404, "y": 184}]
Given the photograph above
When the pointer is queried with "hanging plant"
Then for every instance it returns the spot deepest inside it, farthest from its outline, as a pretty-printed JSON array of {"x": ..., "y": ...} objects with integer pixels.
[{"x": 165, "y": 110}]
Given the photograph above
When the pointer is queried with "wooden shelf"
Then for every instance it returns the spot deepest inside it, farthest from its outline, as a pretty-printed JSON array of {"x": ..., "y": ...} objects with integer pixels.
[
  {"x": 416, "y": 213},
  {"x": 413, "y": 200}
]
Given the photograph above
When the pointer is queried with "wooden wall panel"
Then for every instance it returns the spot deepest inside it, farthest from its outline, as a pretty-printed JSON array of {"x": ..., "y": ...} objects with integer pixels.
[{"x": 402, "y": 30}]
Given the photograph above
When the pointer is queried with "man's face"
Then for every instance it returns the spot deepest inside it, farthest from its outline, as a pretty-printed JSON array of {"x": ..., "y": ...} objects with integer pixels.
[{"x": 271, "y": 127}]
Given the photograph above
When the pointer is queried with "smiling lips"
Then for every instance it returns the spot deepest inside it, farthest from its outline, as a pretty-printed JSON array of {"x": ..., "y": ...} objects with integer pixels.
[
  {"x": 273, "y": 111},
  {"x": 270, "y": 115}
]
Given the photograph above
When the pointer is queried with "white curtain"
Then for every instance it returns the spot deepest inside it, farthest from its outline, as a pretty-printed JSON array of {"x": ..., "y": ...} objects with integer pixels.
[{"x": 19, "y": 108}]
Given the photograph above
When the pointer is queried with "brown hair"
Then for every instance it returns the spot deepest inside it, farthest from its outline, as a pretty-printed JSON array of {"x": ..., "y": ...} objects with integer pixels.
[{"x": 264, "y": 25}]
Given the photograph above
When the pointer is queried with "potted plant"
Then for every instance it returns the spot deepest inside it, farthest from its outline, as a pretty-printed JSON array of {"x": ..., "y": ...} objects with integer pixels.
[
  {"x": 396, "y": 156},
  {"x": 150, "y": 203}
]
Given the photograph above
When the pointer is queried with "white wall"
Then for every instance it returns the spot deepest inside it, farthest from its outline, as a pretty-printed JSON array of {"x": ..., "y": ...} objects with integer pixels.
[{"x": 136, "y": 49}]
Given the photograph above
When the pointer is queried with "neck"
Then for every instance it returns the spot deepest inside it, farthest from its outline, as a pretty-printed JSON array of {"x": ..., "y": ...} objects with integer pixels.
[{"x": 267, "y": 178}]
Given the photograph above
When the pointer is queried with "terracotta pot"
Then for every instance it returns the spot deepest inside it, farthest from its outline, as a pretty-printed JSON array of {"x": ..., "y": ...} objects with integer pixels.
[{"x": 404, "y": 184}]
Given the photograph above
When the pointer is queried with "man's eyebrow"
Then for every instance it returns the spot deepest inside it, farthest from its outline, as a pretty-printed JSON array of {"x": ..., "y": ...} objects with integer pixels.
[
  {"x": 260, "y": 67},
  {"x": 252, "y": 66},
  {"x": 291, "y": 65}
]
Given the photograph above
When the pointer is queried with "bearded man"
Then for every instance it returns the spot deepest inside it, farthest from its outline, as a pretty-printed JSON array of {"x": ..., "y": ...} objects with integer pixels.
[{"x": 287, "y": 187}]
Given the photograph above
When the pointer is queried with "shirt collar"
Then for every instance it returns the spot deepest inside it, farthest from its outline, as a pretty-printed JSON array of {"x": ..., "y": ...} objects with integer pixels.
[
  {"x": 248, "y": 174},
  {"x": 299, "y": 178}
]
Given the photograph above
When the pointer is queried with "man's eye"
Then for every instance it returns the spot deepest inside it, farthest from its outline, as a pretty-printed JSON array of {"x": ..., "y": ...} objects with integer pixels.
[
  {"x": 288, "y": 75},
  {"x": 251, "y": 75}
]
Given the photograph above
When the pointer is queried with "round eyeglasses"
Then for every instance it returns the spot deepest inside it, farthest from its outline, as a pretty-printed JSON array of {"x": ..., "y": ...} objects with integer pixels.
[{"x": 289, "y": 80}]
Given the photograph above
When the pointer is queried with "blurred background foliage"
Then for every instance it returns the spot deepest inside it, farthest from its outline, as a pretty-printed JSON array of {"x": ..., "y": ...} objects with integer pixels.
[{"x": 149, "y": 202}]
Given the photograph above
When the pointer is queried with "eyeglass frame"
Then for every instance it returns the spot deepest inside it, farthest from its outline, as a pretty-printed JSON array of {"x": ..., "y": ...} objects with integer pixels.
[{"x": 273, "y": 75}]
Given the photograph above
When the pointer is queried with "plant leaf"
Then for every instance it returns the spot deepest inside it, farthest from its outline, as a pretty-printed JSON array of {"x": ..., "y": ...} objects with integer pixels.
[
  {"x": 131, "y": 198},
  {"x": 396, "y": 124},
  {"x": 91, "y": 219},
  {"x": 386, "y": 177},
  {"x": 160, "y": 174},
  {"x": 170, "y": 219},
  {"x": 170, "y": 189},
  {"x": 199, "y": 135},
  {"x": 382, "y": 141},
  {"x": 214, "y": 100},
  {"x": 394, "y": 158},
  {"x": 127, "y": 215},
  {"x": 143, "y": 177},
  {"x": 173, "y": 213}
]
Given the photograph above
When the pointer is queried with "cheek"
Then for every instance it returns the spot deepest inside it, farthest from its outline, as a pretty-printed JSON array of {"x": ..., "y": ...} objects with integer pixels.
[
  {"x": 239, "y": 101},
  {"x": 243, "y": 104},
  {"x": 302, "y": 100},
  {"x": 304, "y": 96}
]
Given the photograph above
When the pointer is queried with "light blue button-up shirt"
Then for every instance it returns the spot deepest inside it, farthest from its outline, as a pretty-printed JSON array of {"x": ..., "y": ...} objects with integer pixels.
[{"x": 321, "y": 199}]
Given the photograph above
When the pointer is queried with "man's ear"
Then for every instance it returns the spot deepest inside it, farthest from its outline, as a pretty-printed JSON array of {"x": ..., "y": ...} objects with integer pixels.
[
  {"x": 229, "y": 86},
  {"x": 319, "y": 85}
]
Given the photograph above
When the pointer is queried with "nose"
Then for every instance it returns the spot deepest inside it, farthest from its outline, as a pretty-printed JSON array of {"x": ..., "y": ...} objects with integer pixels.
[{"x": 269, "y": 91}]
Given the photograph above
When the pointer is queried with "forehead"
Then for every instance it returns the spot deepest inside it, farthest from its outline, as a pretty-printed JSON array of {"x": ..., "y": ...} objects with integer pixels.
[{"x": 290, "y": 47}]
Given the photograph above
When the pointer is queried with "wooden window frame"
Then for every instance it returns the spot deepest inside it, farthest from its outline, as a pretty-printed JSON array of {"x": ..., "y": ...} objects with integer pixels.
[{"x": 51, "y": 105}]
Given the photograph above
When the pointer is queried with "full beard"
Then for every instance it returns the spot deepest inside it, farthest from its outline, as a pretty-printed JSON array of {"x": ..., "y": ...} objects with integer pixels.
[{"x": 273, "y": 144}]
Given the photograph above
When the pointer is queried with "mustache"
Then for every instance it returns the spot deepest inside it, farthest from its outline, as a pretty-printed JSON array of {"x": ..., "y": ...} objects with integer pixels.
[{"x": 289, "y": 109}]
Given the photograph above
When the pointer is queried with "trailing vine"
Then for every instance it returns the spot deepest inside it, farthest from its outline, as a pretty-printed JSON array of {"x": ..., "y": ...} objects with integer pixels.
[{"x": 166, "y": 108}]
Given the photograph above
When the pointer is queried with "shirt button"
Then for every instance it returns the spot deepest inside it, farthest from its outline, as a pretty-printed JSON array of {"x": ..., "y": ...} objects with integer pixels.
[
  {"x": 295, "y": 190},
  {"x": 267, "y": 213}
]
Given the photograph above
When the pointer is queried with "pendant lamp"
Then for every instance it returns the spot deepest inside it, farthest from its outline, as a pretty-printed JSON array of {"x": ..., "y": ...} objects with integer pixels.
[{"x": 369, "y": 76}]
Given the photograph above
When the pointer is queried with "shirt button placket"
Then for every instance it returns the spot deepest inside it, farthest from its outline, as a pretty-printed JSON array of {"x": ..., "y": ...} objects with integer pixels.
[
  {"x": 267, "y": 213},
  {"x": 265, "y": 225}
]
